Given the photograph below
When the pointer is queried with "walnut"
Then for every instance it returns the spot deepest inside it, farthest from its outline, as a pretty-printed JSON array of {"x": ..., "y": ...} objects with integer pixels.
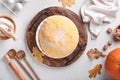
[
  {"x": 109, "y": 30},
  {"x": 96, "y": 70},
  {"x": 95, "y": 53},
  {"x": 116, "y": 33}
]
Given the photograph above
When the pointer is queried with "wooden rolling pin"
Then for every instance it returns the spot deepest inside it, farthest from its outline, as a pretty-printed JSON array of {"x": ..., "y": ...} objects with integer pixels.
[{"x": 14, "y": 68}]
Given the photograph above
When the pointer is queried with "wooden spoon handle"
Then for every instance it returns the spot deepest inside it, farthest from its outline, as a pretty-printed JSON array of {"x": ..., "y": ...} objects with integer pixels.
[
  {"x": 14, "y": 68},
  {"x": 31, "y": 69},
  {"x": 23, "y": 67}
]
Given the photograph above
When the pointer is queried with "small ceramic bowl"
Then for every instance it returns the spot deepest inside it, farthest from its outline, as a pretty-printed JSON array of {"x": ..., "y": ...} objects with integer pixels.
[
  {"x": 38, "y": 43},
  {"x": 9, "y": 18}
]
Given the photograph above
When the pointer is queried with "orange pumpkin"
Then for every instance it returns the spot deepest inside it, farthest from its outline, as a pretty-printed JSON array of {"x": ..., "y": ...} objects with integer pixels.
[{"x": 112, "y": 64}]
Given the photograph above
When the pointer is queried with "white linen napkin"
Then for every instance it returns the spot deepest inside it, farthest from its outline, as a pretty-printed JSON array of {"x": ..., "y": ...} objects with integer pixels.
[{"x": 96, "y": 12}]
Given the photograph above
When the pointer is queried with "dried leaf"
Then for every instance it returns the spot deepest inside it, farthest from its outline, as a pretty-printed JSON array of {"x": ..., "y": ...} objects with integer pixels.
[
  {"x": 97, "y": 70},
  {"x": 95, "y": 53},
  {"x": 38, "y": 56},
  {"x": 67, "y": 2}
]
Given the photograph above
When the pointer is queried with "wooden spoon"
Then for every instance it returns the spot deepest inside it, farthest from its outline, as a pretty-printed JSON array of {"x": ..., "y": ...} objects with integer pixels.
[
  {"x": 13, "y": 55},
  {"x": 21, "y": 55}
]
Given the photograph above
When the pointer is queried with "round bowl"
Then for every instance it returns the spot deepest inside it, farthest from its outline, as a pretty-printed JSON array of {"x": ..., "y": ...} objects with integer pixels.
[
  {"x": 9, "y": 18},
  {"x": 38, "y": 42}
]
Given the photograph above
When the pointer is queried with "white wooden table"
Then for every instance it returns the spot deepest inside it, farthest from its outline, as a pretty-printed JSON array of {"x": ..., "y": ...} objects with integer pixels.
[{"x": 76, "y": 71}]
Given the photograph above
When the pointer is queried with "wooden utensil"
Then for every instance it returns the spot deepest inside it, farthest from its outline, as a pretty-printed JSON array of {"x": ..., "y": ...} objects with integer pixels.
[
  {"x": 21, "y": 55},
  {"x": 13, "y": 55},
  {"x": 14, "y": 68}
]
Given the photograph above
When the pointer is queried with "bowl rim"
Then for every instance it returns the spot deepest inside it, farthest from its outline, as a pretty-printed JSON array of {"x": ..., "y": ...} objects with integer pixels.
[{"x": 37, "y": 40}]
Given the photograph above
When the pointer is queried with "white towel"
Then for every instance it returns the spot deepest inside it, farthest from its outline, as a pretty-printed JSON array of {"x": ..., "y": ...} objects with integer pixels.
[{"x": 96, "y": 12}]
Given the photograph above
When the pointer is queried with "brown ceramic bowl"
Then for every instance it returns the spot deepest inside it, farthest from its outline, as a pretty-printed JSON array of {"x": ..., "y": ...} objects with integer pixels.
[{"x": 9, "y": 18}]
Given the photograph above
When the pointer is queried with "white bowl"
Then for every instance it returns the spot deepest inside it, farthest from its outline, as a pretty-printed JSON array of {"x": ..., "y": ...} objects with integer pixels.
[{"x": 37, "y": 39}]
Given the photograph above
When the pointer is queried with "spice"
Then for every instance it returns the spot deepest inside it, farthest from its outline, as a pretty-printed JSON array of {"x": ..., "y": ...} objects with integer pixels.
[
  {"x": 109, "y": 43},
  {"x": 105, "y": 47},
  {"x": 109, "y": 30}
]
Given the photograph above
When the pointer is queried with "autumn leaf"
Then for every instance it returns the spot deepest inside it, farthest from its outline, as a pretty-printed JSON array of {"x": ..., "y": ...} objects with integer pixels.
[
  {"x": 67, "y": 2},
  {"x": 95, "y": 53},
  {"x": 38, "y": 56},
  {"x": 96, "y": 70}
]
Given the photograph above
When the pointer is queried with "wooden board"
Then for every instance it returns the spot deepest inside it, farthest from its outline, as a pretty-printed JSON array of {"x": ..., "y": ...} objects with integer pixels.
[{"x": 31, "y": 33}]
